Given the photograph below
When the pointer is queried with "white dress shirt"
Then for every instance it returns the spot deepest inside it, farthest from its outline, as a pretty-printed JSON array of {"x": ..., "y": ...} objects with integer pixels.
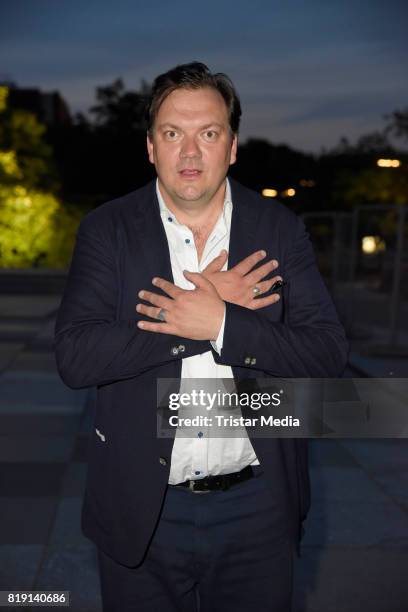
[{"x": 201, "y": 455}]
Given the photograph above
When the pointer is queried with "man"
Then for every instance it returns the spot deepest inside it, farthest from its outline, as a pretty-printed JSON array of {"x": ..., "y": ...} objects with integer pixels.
[{"x": 150, "y": 295}]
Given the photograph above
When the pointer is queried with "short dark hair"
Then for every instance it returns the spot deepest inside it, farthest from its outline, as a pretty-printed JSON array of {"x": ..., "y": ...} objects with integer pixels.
[{"x": 193, "y": 76}]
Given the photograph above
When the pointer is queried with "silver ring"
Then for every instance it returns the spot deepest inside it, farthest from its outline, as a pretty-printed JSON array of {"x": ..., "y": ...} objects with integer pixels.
[
  {"x": 162, "y": 315},
  {"x": 256, "y": 290}
]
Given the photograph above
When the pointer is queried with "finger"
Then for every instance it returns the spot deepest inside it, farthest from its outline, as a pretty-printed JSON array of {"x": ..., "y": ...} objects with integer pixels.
[
  {"x": 157, "y": 300},
  {"x": 262, "y": 302},
  {"x": 171, "y": 290},
  {"x": 265, "y": 286},
  {"x": 151, "y": 311},
  {"x": 262, "y": 271},
  {"x": 244, "y": 266},
  {"x": 158, "y": 328},
  {"x": 217, "y": 263},
  {"x": 197, "y": 279}
]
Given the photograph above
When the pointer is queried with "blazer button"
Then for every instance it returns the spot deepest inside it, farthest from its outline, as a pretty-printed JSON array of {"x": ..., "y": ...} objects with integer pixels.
[
  {"x": 181, "y": 348},
  {"x": 253, "y": 361},
  {"x": 174, "y": 350},
  {"x": 247, "y": 360},
  {"x": 163, "y": 461}
]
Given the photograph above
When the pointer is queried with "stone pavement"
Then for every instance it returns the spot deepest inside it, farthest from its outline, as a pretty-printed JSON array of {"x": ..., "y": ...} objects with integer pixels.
[
  {"x": 44, "y": 429},
  {"x": 355, "y": 550}
]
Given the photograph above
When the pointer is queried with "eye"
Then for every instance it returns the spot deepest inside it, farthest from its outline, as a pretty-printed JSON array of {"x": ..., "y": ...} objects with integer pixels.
[
  {"x": 171, "y": 134},
  {"x": 210, "y": 135}
]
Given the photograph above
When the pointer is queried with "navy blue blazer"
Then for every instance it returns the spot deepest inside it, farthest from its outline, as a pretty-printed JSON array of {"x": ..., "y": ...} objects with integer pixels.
[{"x": 119, "y": 247}]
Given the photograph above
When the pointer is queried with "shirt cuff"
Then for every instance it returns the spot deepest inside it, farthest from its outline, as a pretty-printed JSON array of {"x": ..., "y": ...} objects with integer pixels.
[{"x": 217, "y": 345}]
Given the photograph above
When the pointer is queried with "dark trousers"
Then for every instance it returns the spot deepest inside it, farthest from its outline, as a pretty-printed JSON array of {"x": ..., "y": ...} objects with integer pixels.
[{"x": 223, "y": 551}]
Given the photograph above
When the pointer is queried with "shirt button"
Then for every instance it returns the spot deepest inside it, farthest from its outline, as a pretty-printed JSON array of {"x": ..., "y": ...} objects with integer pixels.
[
  {"x": 174, "y": 350},
  {"x": 197, "y": 472},
  {"x": 247, "y": 360},
  {"x": 187, "y": 241},
  {"x": 253, "y": 361},
  {"x": 163, "y": 461},
  {"x": 200, "y": 434},
  {"x": 181, "y": 348}
]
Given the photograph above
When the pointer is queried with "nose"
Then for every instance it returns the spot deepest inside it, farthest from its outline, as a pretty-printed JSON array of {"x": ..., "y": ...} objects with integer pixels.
[{"x": 189, "y": 147}]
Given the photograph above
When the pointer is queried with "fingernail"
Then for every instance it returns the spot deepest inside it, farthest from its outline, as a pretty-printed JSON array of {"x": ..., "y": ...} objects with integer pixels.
[
  {"x": 263, "y": 253},
  {"x": 140, "y": 324},
  {"x": 141, "y": 294},
  {"x": 154, "y": 280}
]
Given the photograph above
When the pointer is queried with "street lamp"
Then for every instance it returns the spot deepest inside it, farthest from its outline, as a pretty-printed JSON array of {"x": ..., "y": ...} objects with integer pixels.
[
  {"x": 269, "y": 193},
  {"x": 288, "y": 193},
  {"x": 372, "y": 244},
  {"x": 388, "y": 163}
]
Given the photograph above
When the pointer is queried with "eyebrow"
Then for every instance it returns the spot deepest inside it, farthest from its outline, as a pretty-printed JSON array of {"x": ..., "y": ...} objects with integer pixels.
[{"x": 176, "y": 127}]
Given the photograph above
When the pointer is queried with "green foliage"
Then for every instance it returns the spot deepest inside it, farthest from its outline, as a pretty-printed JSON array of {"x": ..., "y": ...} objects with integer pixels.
[
  {"x": 65, "y": 222},
  {"x": 25, "y": 228},
  {"x": 10, "y": 171},
  {"x": 372, "y": 186},
  {"x": 22, "y": 133},
  {"x": 35, "y": 228}
]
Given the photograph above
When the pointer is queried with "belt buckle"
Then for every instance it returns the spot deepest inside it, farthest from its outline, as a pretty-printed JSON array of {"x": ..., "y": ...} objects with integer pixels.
[{"x": 191, "y": 487}]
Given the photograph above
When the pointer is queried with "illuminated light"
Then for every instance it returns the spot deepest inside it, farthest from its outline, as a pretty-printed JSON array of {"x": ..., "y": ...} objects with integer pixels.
[
  {"x": 269, "y": 193},
  {"x": 372, "y": 244},
  {"x": 388, "y": 163},
  {"x": 368, "y": 245},
  {"x": 288, "y": 193}
]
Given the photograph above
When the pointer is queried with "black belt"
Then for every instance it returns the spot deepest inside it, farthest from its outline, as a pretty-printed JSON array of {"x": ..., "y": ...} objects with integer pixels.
[{"x": 221, "y": 482}]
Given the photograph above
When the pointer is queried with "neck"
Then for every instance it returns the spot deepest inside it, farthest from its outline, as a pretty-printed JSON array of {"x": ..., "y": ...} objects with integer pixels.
[{"x": 197, "y": 216}]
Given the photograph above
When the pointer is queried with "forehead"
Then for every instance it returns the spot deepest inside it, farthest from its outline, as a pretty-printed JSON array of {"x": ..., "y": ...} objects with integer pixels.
[{"x": 193, "y": 107}]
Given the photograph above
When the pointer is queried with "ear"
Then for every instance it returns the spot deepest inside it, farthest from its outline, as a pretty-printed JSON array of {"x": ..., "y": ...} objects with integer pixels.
[
  {"x": 150, "y": 148},
  {"x": 234, "y": 147}
]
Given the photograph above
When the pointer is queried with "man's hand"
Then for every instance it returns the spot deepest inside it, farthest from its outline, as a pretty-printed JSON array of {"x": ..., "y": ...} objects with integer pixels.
[
  {"x": 237, "y": 284},
  {"x": 196, "y": 314}
]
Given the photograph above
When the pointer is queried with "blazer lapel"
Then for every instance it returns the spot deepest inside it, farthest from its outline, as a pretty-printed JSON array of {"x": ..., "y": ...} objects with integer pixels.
[
  {"x": 154, "y": 236},
  {"x": 243, "y": 225}
]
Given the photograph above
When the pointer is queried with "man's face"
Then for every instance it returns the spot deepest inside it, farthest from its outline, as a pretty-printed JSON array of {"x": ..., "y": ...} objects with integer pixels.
[{"x": 192, "y": 146}]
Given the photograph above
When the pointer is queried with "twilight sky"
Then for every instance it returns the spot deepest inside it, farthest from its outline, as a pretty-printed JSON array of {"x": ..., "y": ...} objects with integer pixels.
[{"x": 308, "y": 72}]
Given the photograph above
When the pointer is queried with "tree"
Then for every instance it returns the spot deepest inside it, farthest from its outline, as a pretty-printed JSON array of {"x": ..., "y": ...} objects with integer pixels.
[
  {"x": 104, "y": 156},
  {"x": 29, "y": 216},
  {"x": 372, "y": 186},
  {"x": 398, "y": 123},
  {"x": 22, "y": 133},
  {"x": 118, "y": 109}
]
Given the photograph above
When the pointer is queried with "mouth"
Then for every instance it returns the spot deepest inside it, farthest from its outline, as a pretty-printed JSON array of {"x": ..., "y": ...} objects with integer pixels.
[{"x": 190, "y": 173}]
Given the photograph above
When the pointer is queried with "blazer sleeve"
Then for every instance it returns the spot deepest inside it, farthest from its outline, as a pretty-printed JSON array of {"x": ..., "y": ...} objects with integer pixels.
[
  {"x": 91, "y": 346},
  {"x": 309, "y": 343}
]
